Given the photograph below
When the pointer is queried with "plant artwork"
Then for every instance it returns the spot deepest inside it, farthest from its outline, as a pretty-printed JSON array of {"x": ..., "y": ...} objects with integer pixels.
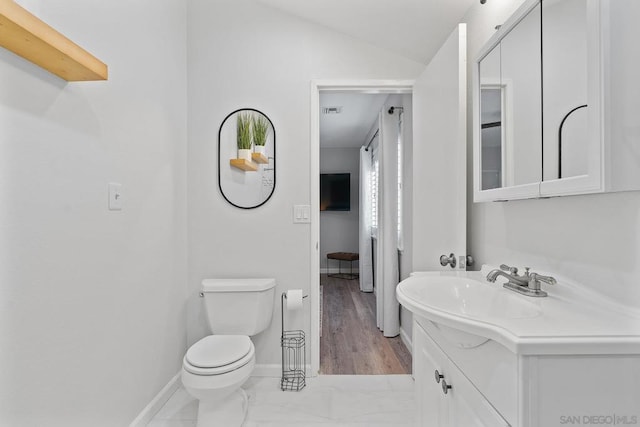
[
  {"x": 260, "y": 129},
  {"x": 244, "y": 131}
]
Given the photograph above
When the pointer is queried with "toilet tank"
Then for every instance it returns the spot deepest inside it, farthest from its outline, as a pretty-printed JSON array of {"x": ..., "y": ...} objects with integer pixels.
[{"x": 239, "y": 306}]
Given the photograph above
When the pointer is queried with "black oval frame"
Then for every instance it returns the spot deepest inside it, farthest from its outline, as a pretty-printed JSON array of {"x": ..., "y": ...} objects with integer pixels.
[{"x": 274, "y": 158}]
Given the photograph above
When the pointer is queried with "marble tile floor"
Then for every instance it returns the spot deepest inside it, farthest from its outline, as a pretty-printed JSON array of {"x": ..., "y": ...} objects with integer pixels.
[{"x": 327, "y": 400}]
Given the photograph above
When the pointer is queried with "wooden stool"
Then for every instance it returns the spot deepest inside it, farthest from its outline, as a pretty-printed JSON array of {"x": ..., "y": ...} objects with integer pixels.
[{"x": 343, "y": 256}]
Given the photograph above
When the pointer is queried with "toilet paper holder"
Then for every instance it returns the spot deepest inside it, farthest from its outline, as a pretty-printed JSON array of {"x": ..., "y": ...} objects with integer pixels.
[{"x": 294, "y": 357}]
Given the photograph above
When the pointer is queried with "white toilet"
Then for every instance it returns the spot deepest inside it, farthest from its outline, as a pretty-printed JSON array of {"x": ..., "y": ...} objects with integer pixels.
[{"x": 215, "y": 367}]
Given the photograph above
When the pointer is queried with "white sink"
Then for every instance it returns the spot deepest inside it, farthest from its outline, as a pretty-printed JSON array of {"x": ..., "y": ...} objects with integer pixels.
[
  {"x": 466, "y": 297},
  {"x": 565, "y": 321}
]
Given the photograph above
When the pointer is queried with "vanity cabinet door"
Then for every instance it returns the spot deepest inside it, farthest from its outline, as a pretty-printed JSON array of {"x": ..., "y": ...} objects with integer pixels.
[
  {"x": 467, "y": 407},
  {"x": 462, "y": 405},
  {"x": 427, "y": 358}
]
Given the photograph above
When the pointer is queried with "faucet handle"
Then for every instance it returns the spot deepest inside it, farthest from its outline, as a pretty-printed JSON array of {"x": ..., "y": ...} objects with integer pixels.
[
  {"x": 549, "y": 280},
  {"x": 511, "y": 270}
]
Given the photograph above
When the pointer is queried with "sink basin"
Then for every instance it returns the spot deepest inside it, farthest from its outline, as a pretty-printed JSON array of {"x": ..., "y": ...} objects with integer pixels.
[
  {"x": 465, "y": 297},
  {"x": 467, "y": 311}
]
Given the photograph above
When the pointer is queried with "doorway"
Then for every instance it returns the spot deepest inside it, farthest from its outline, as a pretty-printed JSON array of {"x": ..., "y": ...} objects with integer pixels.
[
  {"x": 350, "y": 340},
  {"x": 439, "y": 101}
]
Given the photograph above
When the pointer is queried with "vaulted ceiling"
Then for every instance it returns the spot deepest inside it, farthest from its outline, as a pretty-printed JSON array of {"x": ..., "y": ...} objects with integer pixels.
[
  {"x": 414, "y": 29},
  {"x": 411, "y": 28}
]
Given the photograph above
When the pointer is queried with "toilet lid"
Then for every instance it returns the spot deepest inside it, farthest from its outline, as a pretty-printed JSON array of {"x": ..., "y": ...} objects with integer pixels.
[{"x": 215, "y": 351}]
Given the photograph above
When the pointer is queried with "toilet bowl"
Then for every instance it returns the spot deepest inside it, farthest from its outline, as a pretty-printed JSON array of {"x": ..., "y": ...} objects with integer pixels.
[{"x": 215, "y": 367}]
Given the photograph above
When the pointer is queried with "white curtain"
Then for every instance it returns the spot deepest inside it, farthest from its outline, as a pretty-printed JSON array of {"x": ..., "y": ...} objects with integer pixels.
[
  {"x": 388, "y": 308},
  {"x": 365, "y": 262}
]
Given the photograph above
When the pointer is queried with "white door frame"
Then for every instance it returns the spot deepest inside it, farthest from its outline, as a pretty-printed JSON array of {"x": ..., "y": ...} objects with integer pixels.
[{"x": 356, "y": 85}]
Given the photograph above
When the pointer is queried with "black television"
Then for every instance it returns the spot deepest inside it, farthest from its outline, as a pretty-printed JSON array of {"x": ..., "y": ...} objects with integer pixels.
[{"x": 335, "y": 192}]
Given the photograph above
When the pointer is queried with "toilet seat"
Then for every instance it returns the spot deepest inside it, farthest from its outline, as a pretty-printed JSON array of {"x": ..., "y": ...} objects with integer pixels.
[{"x": 218, "y": 354}]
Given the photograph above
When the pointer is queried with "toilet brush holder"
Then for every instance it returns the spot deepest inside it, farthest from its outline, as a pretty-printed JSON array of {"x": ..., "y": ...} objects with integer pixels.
[{"x": 293, "y": 356}]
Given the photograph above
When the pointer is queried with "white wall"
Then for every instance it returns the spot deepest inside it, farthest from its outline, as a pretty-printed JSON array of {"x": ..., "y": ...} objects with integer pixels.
[
  {"x": 266, "y": 60},
  {"x": 592, "y": 239},
  {"x": 339, "y": 230},
  {"x": 92, "y": 302}
]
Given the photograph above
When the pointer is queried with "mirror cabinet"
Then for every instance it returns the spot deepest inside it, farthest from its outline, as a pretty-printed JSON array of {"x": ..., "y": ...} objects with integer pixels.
[{"x": 555, "y": 112}]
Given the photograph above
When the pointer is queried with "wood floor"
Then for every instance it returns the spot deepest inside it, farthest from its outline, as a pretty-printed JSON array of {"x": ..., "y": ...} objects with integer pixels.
[{"x": 351, "y": 343}]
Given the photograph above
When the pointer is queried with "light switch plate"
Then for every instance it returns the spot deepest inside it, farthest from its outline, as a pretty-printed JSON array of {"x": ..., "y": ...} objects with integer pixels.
[
  {"x": 302, "y": 214},
  {"x": 115, "y": 196}
]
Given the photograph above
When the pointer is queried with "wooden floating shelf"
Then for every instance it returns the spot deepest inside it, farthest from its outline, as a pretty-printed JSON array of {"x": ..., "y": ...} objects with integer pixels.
[
  {"x": 244, "y": 164},
  {"x": 259, "y": 158},
  {"x": 27, "y": 36}
]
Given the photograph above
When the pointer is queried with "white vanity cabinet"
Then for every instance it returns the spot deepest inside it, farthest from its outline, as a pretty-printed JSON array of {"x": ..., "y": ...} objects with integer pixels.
[
  {"x": 570, "y": 358},
  {"x": 492, "y": 386}
]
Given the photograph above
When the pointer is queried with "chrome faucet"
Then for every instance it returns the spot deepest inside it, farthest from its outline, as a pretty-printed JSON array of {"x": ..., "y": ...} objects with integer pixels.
[
  {"x": 512, "y": 275},
  {"x": 526, "y": 284}
]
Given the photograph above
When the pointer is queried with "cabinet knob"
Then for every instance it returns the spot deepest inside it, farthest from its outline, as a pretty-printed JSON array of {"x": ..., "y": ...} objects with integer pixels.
[
  {"x": 438, "y": 376},
  {"x": 445, "y": 387}
]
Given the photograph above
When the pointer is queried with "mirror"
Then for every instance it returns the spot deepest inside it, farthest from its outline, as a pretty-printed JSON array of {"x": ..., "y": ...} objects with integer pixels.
[
  {"x": 521, "y": 75},
  {"x": 247, "y": 158},
  {"x": 565, "y": 104},
  {"x": 510, "y": 107},
  {"x": 492, "y": 100}
]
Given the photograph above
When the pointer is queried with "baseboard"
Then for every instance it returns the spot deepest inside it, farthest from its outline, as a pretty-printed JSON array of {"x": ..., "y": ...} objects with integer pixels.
[
  {"x": 272, "y": 371},
  {"x": 335, "y": 270},
  {"x": 154, "y": 406},
  {"x": 406, "y": 339}
]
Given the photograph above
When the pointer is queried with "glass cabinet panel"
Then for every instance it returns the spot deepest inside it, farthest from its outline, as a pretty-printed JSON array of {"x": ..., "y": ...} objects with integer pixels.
[
  {"x": 491, "y": 129},
  {"x": 565, "y": 109},
  {"x": 521, "y": 77},
  {"x": 510, "y": 108}
]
